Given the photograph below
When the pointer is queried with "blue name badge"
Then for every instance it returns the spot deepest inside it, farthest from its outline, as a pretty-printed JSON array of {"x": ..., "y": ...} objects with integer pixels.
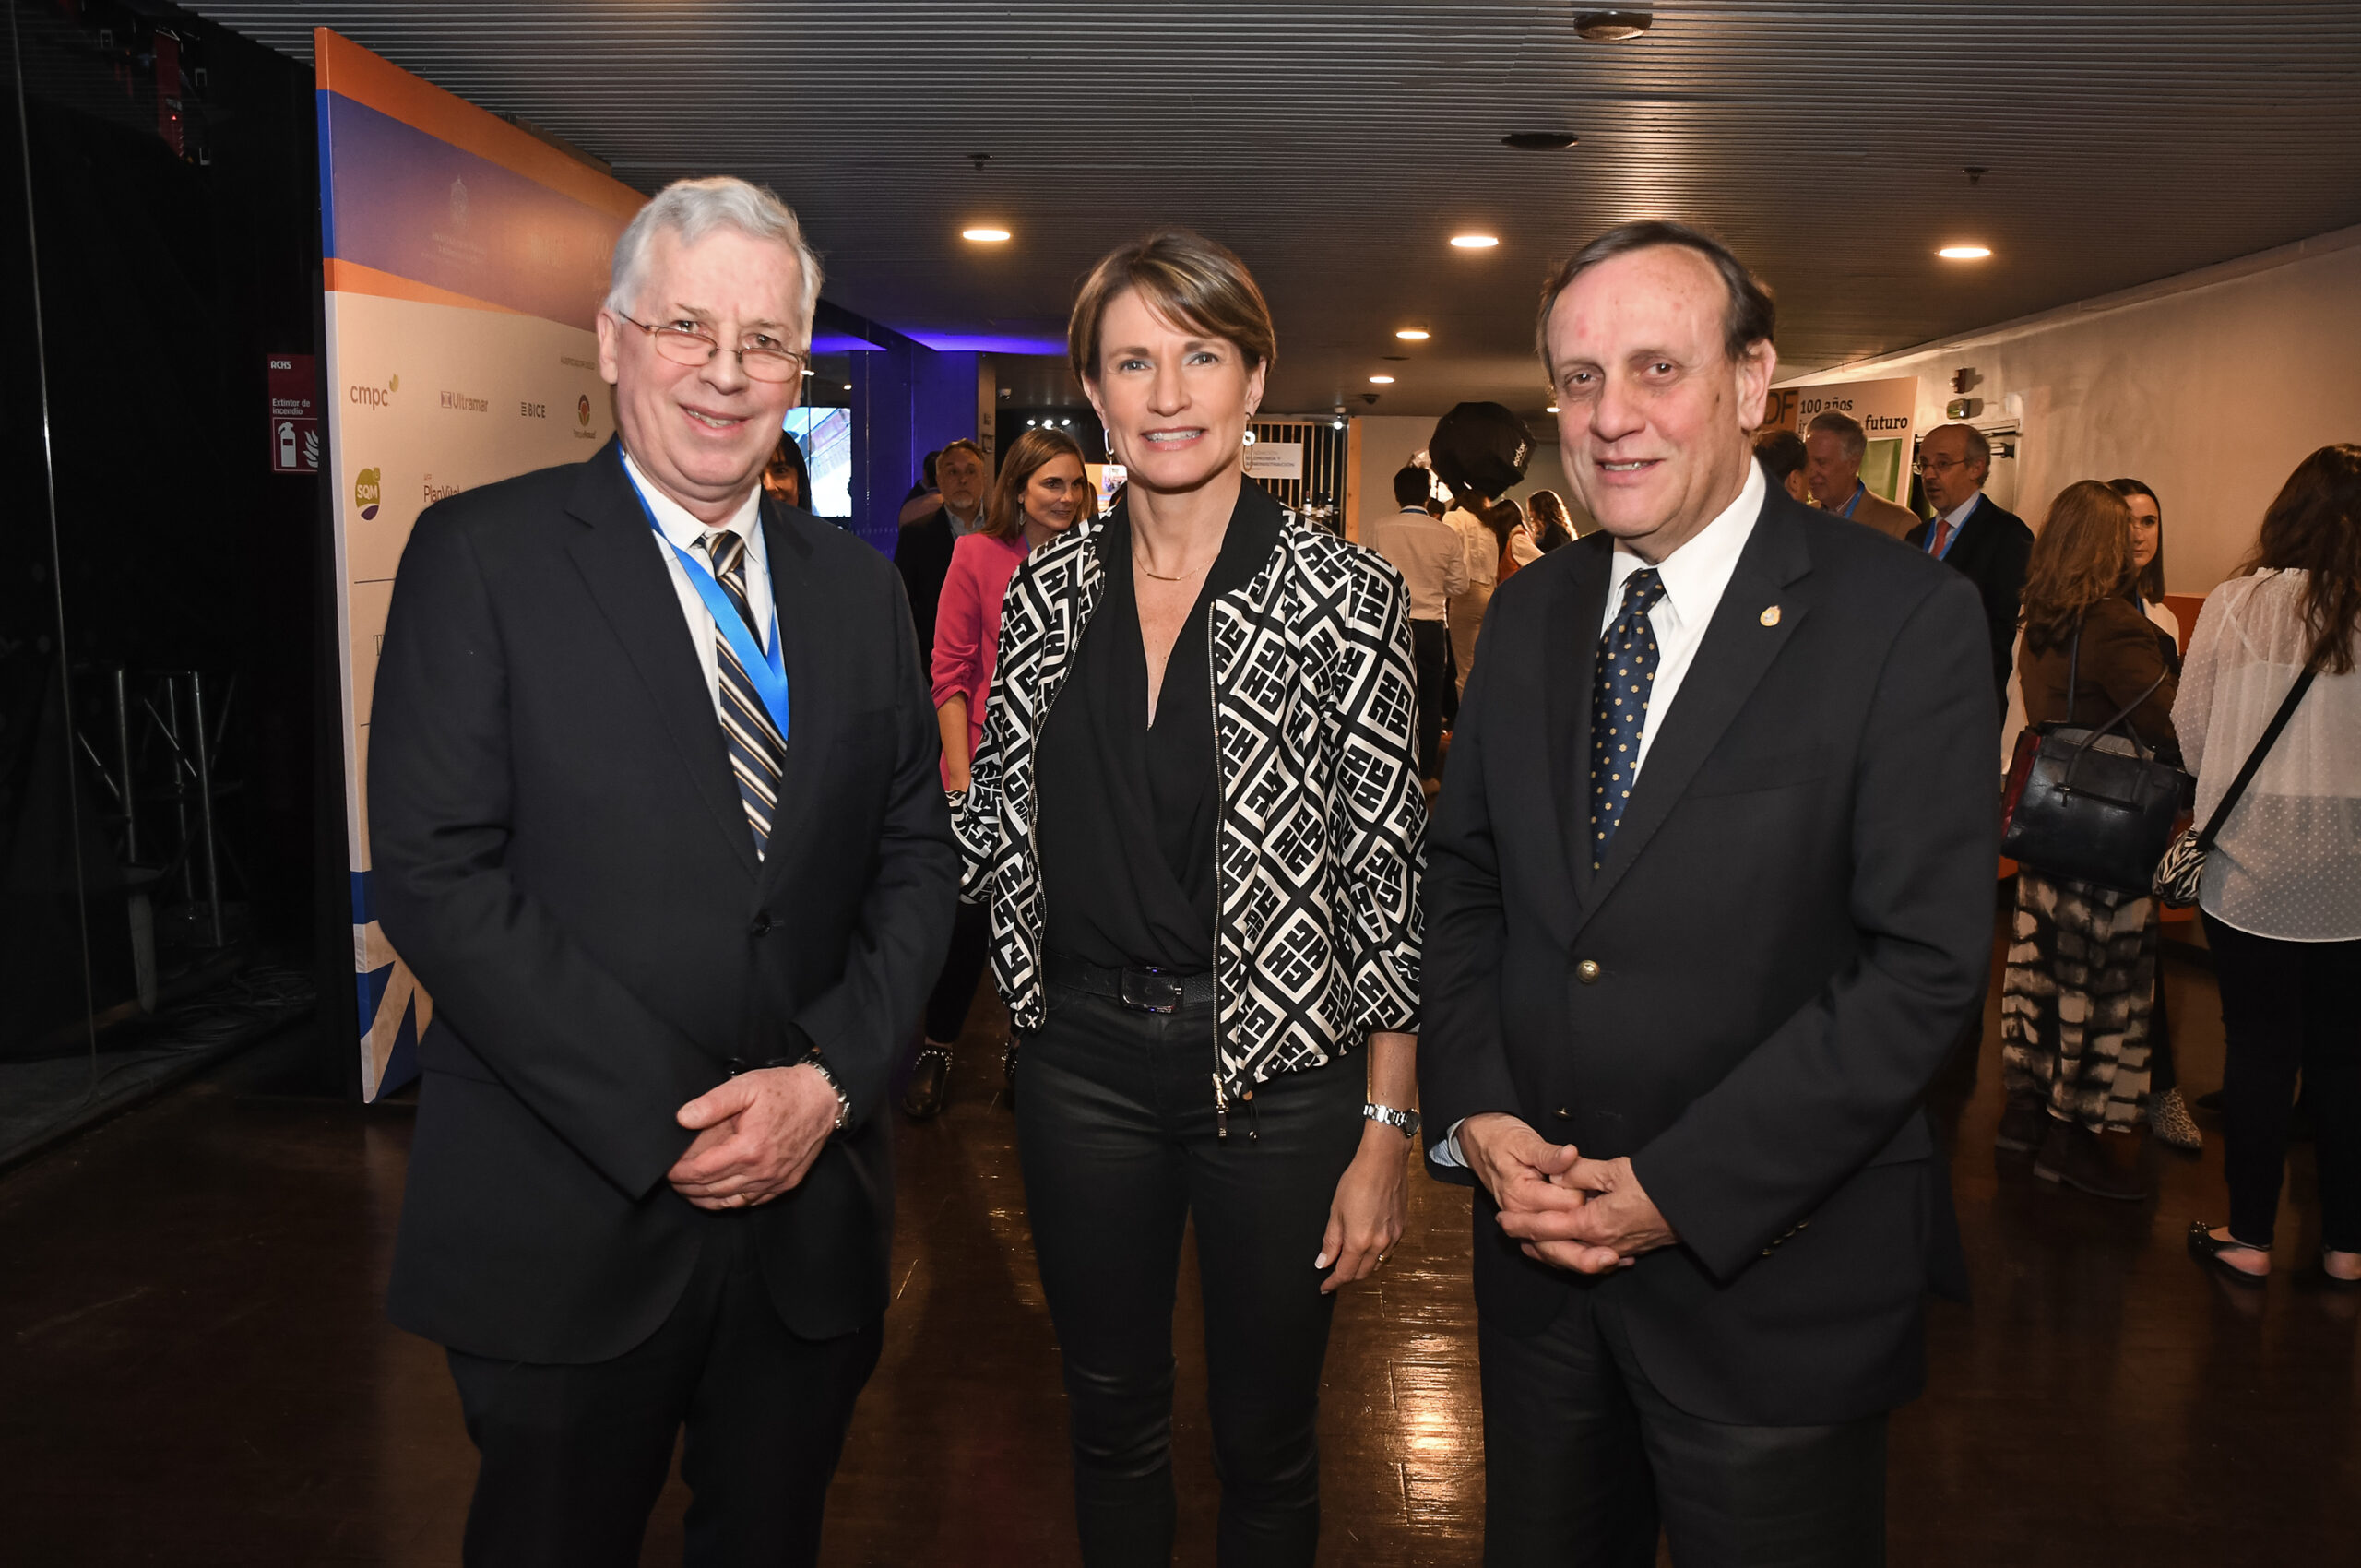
[{"x": 765, "y": 669}]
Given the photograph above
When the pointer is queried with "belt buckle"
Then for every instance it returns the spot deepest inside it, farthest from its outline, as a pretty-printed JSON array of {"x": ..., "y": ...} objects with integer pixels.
[{"x": 1149, "y": 991}]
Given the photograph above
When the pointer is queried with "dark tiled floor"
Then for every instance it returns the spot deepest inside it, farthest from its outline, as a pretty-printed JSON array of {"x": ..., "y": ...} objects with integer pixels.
[{"x": 193, "y": 1370}]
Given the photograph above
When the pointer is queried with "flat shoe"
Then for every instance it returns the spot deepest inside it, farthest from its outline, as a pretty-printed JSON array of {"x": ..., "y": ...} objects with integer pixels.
[{"x": 2207, "y": 1250}]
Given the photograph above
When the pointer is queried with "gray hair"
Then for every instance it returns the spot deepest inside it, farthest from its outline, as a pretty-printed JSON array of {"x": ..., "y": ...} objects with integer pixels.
[
  {"x": 1852, "y": 440},
  {"x": 1979, "y": 445},
  {"x": 1747, "y": 318},
  {"x": 695, "y": 208}
]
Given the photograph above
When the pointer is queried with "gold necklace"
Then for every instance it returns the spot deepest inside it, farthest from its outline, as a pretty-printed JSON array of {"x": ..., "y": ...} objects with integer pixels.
[{"x": 1141, "y": 567}]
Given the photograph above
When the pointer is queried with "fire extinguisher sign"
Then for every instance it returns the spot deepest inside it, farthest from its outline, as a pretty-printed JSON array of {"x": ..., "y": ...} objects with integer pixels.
[{"x": 295, "y": 415}]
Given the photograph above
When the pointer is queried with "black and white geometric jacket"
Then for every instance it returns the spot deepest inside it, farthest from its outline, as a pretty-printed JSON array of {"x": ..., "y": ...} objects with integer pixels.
[{"x": 1322, "y": 837}]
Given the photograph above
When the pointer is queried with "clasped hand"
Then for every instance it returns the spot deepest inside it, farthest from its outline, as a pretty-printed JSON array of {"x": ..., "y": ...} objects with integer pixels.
[
  {"x": 756, "y": 1138},
  {"x": 1589, "y": 1216}
]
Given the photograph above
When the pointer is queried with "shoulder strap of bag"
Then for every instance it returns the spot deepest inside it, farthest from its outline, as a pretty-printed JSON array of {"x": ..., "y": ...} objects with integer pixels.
[
  {"x": 2254, "y": 758},
  {"x": 2074, "y": 668}
]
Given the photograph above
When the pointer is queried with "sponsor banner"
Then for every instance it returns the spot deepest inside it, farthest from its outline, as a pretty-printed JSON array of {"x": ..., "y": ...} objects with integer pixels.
[{"x": 466, "y": 261}]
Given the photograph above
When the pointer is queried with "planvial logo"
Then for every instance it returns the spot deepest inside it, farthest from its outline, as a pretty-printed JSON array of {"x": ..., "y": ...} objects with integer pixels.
[
  {"x": 367, "y": 493},
  {"x": 375, "y": 396}
]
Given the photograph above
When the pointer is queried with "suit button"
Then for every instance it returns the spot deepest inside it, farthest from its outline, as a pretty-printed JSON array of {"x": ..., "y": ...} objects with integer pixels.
[
  {"x": 1587, "y": 971},
  {"x": 1563, "y": 1114},
  {"x": 761, "y": 924}
]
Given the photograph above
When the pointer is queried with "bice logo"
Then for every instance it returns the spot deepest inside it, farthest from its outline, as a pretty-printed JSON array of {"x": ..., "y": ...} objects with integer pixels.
[
  {"x": 582, "y": 410},
  {"x": 366, "y": 493}
]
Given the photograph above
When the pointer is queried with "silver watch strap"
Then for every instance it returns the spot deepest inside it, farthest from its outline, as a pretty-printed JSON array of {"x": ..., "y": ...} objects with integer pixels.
[{"x": 1397, "y": 1120}]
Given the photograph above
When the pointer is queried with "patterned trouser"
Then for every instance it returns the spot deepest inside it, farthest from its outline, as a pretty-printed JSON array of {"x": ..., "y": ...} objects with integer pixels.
[{"x": 2076, "y": 1000}]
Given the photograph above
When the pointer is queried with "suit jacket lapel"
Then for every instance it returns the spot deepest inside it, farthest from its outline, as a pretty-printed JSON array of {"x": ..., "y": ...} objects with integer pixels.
[
  {"x": 1729, "y": 665},
  {"x": 627, "y": 578},
  {"x": 799, "y": 625},
  {"x": 1573, "y": 623}
]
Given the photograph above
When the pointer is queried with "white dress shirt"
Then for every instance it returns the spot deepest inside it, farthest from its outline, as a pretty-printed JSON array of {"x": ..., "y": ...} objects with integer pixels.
[
  {"x": 1694, "y": 576},
  {"x": 685, "y": 530},
  {"x": 1430, "y": 555}
]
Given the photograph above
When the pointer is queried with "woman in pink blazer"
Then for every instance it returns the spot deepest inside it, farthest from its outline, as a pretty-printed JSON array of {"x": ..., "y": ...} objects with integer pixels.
[{"x": 1042, "y": 491}]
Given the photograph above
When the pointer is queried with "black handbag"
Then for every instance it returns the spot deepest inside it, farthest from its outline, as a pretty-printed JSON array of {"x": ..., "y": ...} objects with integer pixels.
[{"x": 2092, "y": 805}]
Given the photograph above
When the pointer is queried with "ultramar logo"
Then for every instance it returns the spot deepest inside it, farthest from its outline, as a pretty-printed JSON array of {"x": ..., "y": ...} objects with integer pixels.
[{"x": 367, "y": 492}]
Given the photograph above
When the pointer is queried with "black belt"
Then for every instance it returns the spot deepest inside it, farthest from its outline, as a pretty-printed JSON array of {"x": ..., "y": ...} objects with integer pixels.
[{"x": 1141, "y": 990}]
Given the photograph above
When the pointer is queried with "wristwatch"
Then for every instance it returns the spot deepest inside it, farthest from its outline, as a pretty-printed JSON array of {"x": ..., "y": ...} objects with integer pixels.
[
  {"x": 811, "y": 1059},
  {"x": 1403, "y": 1122},
  {"x": 819, "y": 1065}
]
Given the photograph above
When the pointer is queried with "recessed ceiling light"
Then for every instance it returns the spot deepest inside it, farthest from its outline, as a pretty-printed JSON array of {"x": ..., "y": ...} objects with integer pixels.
[
  {"x": 1964, "y": 252},
  {"x": 984, "y": 236},
  {"x": 1539, "y": 141},
  {"x": 1414, "y": 334},
  {"x": 1381, "y": 381},
  {"x": 1550, "y": 409},
  {"x": 1612, "y": 27},
  {"x": 1474, "y": 241}
]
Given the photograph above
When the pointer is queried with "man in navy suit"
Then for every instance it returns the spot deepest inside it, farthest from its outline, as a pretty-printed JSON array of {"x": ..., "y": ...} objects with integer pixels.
[
  {"x": 1975, "y": 535},
  {"x": 1709, "y": 890},
  {"x": 654, "y": 805}
]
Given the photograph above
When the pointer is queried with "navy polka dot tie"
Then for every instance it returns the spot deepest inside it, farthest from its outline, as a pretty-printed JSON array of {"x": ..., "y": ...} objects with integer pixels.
[{"x": 1618, "y": 706}]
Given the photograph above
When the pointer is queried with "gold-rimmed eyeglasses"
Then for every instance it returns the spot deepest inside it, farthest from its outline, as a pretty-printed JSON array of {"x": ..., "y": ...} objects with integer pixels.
[{"x": 764, "y": 357}]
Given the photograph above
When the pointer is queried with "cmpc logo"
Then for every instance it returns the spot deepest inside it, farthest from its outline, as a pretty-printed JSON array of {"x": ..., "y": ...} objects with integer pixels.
[
  {"x": 582, "y": 412},
  {"x": 367, "y": 492},
  {"x": 375, "y": 396}
]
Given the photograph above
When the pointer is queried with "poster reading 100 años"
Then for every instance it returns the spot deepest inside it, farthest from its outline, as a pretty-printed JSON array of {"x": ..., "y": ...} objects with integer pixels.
[{"x": 465, "y": 263}]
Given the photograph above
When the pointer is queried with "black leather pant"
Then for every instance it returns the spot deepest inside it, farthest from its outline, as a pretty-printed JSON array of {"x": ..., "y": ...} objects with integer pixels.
[{"x": 1116, "y": 1130}]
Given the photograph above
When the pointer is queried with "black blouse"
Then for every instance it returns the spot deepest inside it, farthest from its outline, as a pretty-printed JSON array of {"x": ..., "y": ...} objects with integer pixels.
[{"x": 1128, "y": 809}]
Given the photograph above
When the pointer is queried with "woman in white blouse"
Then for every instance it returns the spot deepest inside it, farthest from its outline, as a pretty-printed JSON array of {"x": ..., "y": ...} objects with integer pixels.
[{"x": 2282, "y": 892}]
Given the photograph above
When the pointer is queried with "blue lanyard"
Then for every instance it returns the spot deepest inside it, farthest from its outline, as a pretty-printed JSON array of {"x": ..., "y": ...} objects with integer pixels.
[
  {"x": 1853, "y": 500},
  {"x": 1949, "y": 544},
  {"x": 767, "y": 669}
]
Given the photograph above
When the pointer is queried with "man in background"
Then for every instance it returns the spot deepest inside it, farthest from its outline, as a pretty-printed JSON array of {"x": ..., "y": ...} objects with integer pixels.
[
  {"x": 1834, "y": 445},
  {"x": 1781, "y": 453},
  {"x": 922, "y": 550},
  {"x": 1975, "y": 537},
  {"x": 1428, "y": 553}
]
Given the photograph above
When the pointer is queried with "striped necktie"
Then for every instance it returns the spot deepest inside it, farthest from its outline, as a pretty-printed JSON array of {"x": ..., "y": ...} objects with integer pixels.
[
  {"x": 755, "y": 749},
  {"x": 1618, "y": 706}
]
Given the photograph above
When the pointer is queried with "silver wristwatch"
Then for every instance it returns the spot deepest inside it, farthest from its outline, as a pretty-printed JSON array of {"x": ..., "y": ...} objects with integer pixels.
[
  {"x": 844, "y": 1100},
  {"x": 1403, "y": 1122}
]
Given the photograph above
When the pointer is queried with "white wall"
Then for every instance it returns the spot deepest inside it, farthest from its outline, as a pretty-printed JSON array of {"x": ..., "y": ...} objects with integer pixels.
[
  {"x": 1388, "y": 441},
  {"x": 2210, "y": 387}
]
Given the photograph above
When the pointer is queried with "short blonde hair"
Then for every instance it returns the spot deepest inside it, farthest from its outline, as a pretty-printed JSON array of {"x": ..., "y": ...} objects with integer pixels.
[{"x": 1187, "y": 278}]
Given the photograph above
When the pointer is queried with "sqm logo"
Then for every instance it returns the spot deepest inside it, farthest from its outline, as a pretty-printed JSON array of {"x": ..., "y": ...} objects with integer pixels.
[
  {"x": 365, "y": 492},
  {"x": 458, "y": 204}
]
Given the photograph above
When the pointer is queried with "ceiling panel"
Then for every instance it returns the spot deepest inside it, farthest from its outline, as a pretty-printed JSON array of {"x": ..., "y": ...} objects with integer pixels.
[{"x": 1338, "y": 145}]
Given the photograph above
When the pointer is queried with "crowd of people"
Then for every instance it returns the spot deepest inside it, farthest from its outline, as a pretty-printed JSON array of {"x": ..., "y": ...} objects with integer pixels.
[{"x": 695, "y": 813}]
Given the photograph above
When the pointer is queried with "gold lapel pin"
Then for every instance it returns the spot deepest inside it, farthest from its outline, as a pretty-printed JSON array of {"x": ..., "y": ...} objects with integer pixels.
[{"x": 1770, "y": 616}]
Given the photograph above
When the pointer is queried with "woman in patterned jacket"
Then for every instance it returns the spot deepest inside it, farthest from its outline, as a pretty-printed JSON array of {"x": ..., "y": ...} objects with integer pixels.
[{"x": 1196, "y": 817}]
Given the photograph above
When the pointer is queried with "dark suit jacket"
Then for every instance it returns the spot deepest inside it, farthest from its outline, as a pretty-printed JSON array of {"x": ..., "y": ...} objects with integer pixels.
[
  {"x": 1991, "y": 552},
  {"x": 562, "y": 857},
  {"x": 1793, "y": 919},
  {"x": 922, "y": 554}
]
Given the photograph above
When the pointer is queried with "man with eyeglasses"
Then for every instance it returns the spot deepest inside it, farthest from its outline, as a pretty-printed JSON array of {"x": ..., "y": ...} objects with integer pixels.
[
  {"x": 1973, "y": 534},
  {"x": 656, "y": 818}
]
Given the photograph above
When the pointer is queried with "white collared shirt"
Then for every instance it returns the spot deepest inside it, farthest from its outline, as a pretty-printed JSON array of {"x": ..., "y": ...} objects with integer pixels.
[
  {"x": 1695, "y": 576},
  {"x": 685, "y": 530},
  {"x": 962, "y": 526}
]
